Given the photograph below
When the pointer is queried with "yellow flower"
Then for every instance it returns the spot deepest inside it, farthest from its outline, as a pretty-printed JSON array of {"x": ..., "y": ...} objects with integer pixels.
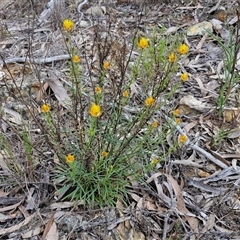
[
  {"x": 126, "y": 93},
  {"x": 178, "y": 120},
  {"x": 104, "y": 153},
  {"x": 176, "y": 112},
  {"x": 95, "y": 110},
  {"x": 69, "y": 158},
  {"x": 143, "y": 43},
  {"x": 184, "y": 77},
  {"x": 76, "y": 59},
  {"x": 149, "y": 101},
  {"x": 182, "y": 138},
  {"x": 155, "y": 161},
  {"x": 154, "y": 124},
  {"x": 183, "y": 49},
  {"x": 68, "y": 25},
  {"x": 45, "y": 108},
  {"x": 106, "y": 65},
  {"x": 98, "y": 90},
  {"x": 172, "y": 57}
]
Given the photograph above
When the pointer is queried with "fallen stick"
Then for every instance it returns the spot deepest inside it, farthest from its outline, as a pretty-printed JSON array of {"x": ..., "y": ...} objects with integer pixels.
[{"x": 36, "y": 60}]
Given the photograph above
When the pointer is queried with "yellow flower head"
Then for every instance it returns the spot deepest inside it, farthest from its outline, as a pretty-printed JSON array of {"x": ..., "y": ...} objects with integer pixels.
[
  {"x": 184, "y": 76},
  {"x": 149, "y": 101},
  {"x": 183, "y": 49},
  {"x": 69, "y": 158},
  {"x": 68, "y": 25},
  {"x": 98, "y": 90},
  {"x": 143, "y": 43},
  {"x": 106, "y": 65},
  {"x": 154, "y": 124},
  {"x": 76, "y": 59},
  {"x": 172, "y": 57},
  {"x": 45, "y": 108},
  {"x": 176, "y": 112},
  {"x": 126, "y": 93},
  {"x": 95, "y": 110},
  {"x": 104, "y": 153},
  {"x": 182, "y": 138},
  {"x": 178, "y": 121},
  {"x": 155, "y": 161}
]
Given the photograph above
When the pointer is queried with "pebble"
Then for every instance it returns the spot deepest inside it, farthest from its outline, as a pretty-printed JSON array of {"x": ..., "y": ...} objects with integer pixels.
[{"x": 200, "y": 29}]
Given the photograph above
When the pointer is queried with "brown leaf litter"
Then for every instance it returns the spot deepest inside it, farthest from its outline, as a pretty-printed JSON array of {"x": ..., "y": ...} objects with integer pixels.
[{"x": 193, "y": 195}]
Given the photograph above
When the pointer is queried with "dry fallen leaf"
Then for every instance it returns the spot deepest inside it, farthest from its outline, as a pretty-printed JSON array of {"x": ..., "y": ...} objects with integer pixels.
[
  {"x": 52, "y": 233},
  {"x": 8, "y": 208},
  {"x": 33, "y": 232},
  {"x": 193, "y": 222},
  {"x": 171, "y": 30},
  {"x": 17, "y": 226},
  {"x": 208, "y": 225},
  {"x": 58, "y": 89},
  {"x": 13, "y": 116},
  {"x": 3, "y": 194},
  {"x": 203, "y": 174},
  {"x": 193, "y": 103}
]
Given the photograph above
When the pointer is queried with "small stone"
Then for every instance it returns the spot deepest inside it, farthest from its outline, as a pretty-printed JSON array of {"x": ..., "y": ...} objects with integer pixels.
[
  {"x": 200, "y": 29},
  {"x": 69, "y": 223},
  {"x": 95, "y": 11},
  {"x": 84, "y": 24}
]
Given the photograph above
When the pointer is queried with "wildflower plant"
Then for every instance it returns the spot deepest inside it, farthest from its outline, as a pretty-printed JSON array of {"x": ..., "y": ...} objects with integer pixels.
[
  {"x": 118, "y": 136},
  {"x": 110, "y": 133}
]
